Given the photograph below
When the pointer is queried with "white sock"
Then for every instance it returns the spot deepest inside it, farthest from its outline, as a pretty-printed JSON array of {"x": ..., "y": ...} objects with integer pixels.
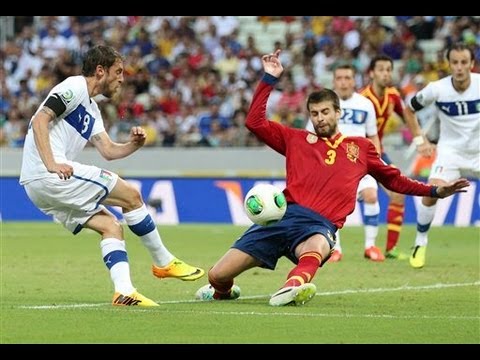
[
  {"x": 114, "y": 255},
  {"x": 425, "y": 215},
  {"x": 370, "y": 216},
  {"x": 142, "y": 224},
  {"x": 371, "y": 233},
  {"x": 338, "y": 246}
]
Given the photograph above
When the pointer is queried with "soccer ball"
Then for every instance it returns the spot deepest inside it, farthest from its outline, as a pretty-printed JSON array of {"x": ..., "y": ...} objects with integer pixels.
[{"x": 265, "y": 204}]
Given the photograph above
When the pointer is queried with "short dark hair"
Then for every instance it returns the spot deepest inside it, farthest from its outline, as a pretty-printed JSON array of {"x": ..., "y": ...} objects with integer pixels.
[
  {"x": 99, "y": 55},
  {"x": 381, "y": 57},
  {"x": 345, "y": 67},
  {"x": 324, "y": 95},
  {"x": 460, "y": 46}
]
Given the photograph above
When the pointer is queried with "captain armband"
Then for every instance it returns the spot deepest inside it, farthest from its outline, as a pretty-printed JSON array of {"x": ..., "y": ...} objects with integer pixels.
[
  {"x": 415, "y": 105},
  {"x": 57, "y": 105}
]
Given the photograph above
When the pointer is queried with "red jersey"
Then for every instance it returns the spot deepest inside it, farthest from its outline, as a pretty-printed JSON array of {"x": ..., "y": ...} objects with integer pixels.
[
  {"x": 384, "y": 107},
  {"x": 323, "y": 174}
]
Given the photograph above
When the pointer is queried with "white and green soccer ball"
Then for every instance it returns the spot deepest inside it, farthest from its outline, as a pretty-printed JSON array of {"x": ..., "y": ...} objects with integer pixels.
[{"x": 265, "y": 204}]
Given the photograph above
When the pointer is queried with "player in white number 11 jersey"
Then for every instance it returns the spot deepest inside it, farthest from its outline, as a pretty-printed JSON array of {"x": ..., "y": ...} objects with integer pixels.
[{"x": 457, "y": 98}]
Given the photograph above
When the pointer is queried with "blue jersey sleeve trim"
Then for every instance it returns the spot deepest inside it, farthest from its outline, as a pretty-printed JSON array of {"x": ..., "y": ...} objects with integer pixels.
[{"x": 269, "y": 79}]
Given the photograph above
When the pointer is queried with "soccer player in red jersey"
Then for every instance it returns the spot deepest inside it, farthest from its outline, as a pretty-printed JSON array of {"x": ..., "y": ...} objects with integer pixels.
[
  {"x": 322, "y": 175},
  {"x": 386, "y": 101}
]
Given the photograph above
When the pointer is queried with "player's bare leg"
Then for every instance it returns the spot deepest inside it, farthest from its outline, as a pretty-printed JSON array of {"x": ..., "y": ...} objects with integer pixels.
[
  {"x": 298, "y": 289},
  {"x": 139, "y": 220},
  {"x": 115, "y": 257},
  {"x": 221, "y": 276}
]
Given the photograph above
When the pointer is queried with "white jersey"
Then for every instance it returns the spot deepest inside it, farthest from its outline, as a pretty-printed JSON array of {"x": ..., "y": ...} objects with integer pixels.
[
  {"x": 459, "y": 114},
  {"x": 357, "y": 118},
  {"x": 69, "y": 132}
]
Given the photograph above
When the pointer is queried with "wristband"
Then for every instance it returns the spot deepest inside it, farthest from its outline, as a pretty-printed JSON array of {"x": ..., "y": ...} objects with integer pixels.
[{"x": 418, "y": 140}]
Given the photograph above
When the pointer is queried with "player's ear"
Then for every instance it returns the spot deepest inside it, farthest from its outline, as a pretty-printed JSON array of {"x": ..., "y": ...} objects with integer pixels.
[
  {"x": 100, "y": 71},
  {"x": 338, "y": 113}
]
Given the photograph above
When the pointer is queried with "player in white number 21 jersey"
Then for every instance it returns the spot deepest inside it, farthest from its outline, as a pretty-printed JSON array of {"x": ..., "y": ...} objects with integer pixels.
[
  {"x": 76, "y": 194},
  {"x": 358, "y": 119},
  {"x": 457, "y": 98}
]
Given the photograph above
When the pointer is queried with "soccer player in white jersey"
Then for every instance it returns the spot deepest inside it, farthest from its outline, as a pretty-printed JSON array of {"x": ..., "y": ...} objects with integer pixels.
[
  {"x": 358, "y": 119},
  {"x": 457, "y": 98},
  {"x": 76, "y": 194}
]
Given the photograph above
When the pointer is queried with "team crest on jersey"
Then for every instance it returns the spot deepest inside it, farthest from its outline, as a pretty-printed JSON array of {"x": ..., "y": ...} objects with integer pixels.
[
  {"x": 67, "y": 96},
  {"x": 312, "y": 139},
  {"x": 353, "y": 152},
  {"x": 105, "y": 175}
]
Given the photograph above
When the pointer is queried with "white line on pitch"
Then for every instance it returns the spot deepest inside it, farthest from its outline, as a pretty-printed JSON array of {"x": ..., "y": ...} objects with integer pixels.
[{"x": 327, "y": 293}]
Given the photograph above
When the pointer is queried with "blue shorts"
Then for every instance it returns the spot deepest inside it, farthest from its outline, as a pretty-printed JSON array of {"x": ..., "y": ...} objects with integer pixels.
[
  {"x": 270, "y": 243},
  {"x": 385, "y": 158}
]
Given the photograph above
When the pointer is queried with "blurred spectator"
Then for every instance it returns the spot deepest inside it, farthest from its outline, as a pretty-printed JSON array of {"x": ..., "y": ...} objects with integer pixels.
[
  {"x": 213, "y": 115},
  {"x": 171, "y": 61},
  {"x": 15, "y": 128}
]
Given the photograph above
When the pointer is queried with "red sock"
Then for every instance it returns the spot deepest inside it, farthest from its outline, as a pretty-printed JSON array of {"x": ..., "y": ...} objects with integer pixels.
[
  {"x": 305, "y": 270},
  {"x": 394, "y": 224},
  {"x": 222, "y": 289}
]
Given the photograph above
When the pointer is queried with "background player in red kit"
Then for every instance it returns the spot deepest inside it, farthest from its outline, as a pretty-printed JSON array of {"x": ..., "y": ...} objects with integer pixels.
[
  {"x": 386, "y": 101},
  {"x": 322, "y": 175}
]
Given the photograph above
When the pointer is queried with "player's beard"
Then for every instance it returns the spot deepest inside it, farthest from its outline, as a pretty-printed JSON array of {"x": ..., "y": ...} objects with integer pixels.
[
  {"x": 326, "y": 131},
  {"x": 108, "y": 92}
]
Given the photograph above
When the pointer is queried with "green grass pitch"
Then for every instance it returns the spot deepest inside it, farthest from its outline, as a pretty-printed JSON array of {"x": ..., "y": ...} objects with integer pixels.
[{"x": 55, "y": 289}]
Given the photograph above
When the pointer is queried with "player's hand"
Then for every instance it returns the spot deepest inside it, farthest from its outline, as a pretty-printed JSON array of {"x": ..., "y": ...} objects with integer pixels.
[
  {"x": 64, "y": 171},
  {"x": 452, "y": 188},
  {"x": 138, "y": 136},
  {"x": 426, "y": 149},
  {"x": 272, "y": 65}
]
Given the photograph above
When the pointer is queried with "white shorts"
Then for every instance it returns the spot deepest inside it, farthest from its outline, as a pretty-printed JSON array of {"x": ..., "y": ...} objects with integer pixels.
[
  {"x": 72, "y": 202},
  {"x": 368, "y": 181},
  {"x": 450, "y": 165}
]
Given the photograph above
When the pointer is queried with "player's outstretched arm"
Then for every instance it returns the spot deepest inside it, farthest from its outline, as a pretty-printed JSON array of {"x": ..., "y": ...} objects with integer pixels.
[
  {"x": 452, "y": 188},
  {"x": 424, "y": 147},
  {"x": 111, "y": 150}
]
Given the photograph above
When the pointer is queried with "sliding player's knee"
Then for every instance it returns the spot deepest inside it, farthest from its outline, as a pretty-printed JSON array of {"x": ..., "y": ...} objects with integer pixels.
[{"x": 216, "y": 277}]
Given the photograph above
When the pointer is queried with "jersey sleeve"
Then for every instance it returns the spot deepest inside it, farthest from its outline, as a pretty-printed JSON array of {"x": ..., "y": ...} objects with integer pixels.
[
  {"x": 391, "y": 177},
  {"x": 271, "y": 133},
  {"x": 71, "y": 92},
  {"x": 423, "y": 98}
]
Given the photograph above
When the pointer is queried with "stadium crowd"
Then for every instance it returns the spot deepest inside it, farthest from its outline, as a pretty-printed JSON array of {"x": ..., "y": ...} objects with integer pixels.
[{"x": 190, "y": 79}]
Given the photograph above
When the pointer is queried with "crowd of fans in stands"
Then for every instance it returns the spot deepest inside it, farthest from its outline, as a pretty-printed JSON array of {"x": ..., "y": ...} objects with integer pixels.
[{"x": 189, "y": 79}]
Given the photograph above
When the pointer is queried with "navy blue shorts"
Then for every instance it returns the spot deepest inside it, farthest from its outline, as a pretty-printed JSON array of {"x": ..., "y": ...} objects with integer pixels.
[
  {"x": 386, "y": 158},
  {"x": 270, "y": 243}
]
